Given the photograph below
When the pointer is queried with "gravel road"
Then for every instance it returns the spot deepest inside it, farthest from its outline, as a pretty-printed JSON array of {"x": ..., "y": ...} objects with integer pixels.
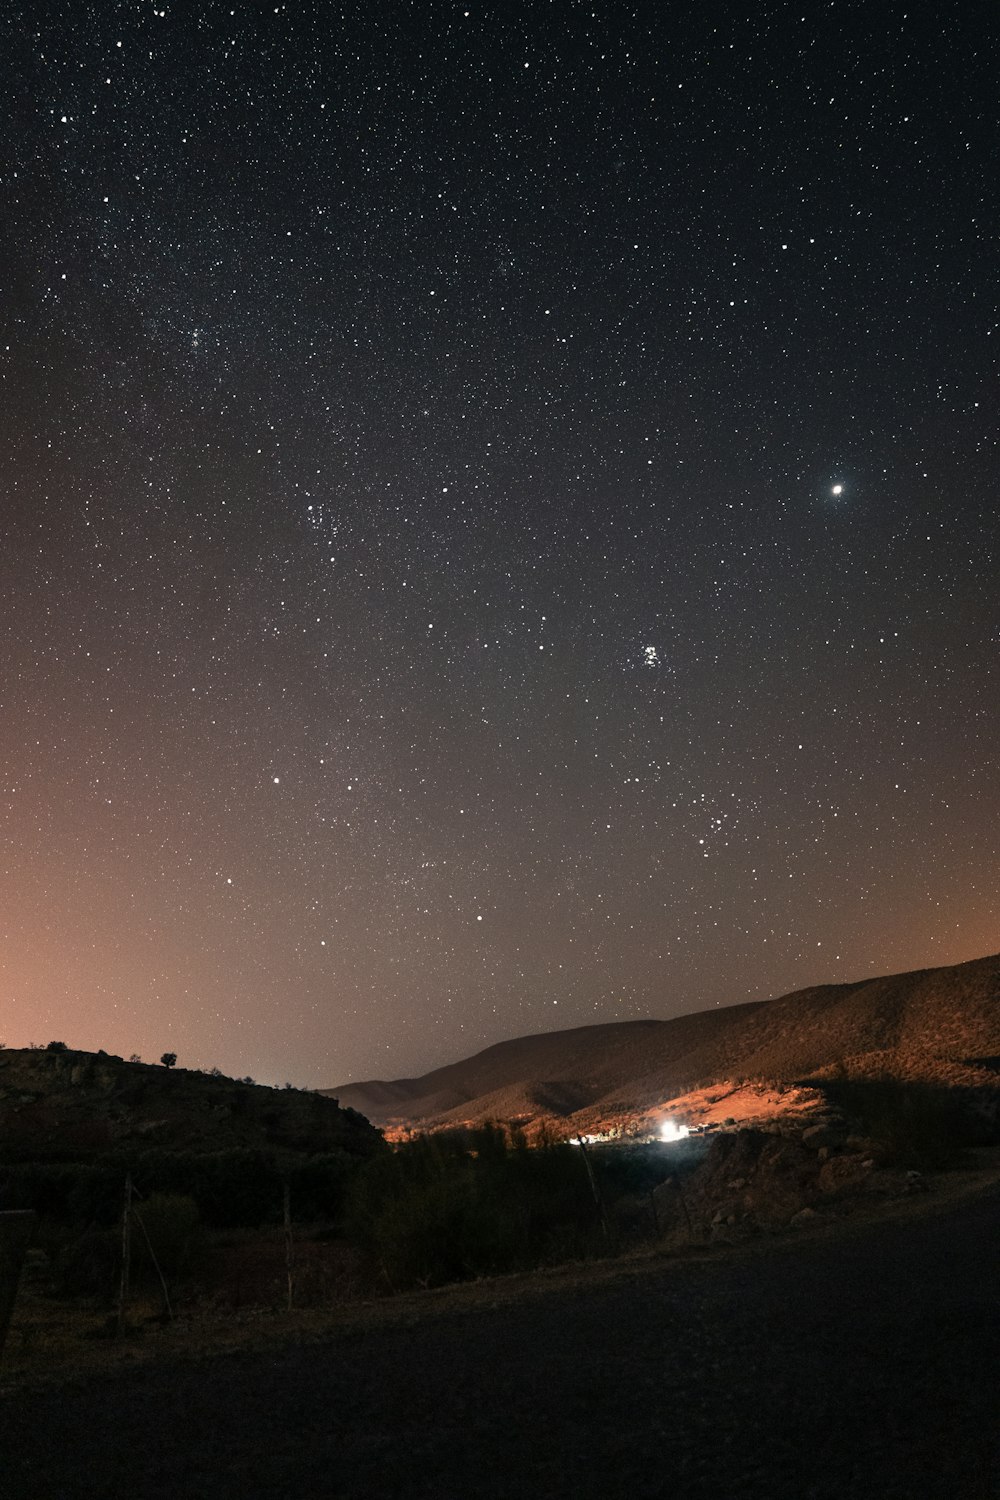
[{"x": 862, "y": 1366}]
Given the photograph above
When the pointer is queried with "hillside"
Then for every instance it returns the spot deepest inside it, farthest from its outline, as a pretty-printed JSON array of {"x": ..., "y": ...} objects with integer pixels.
[
  {"x": 68, "y": 1105},
  {"x": 940, "y": 1025}
]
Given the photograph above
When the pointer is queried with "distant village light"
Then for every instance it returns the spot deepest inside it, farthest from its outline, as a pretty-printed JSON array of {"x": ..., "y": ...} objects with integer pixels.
[{"x": 671, "y": 1131}]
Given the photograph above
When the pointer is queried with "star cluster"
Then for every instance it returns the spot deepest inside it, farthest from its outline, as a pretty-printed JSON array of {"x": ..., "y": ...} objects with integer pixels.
[{"x": 500, "y": 518}]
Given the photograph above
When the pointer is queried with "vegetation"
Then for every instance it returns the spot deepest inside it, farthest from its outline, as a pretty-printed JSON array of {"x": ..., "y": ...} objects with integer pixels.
[
  {"x": 446, "y": 1207},
  {"x": 914, "y": 1124},
  {"x": 439, "y": 1209},
  {"x": 213, "y": 1162},
  {"x": 461, "y": 1204},
  {"x": 231, "y": 1189}
]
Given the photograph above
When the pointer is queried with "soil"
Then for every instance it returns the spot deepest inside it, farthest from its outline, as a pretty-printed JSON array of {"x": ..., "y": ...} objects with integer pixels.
[{"x": 857, "y": 1361}]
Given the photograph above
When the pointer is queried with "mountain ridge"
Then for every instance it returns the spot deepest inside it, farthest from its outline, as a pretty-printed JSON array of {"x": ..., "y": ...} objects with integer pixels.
[
  {"x": 940, "y": 1024},
  {"x": 67, "y": 1104}
]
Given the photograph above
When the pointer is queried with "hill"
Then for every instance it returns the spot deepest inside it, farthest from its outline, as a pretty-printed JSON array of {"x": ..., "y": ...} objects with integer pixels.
[
  {"x": 59, "y": 1104},
  {"x": 931, "y": 1025}
]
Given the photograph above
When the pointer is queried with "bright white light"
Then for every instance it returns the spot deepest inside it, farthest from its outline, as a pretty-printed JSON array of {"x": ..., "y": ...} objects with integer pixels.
[
  {"x": 838, "y": 489},
  {"x": 671, "y": 1131}
]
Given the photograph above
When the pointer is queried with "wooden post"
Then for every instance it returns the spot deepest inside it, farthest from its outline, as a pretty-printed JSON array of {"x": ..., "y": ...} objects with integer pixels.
[
  {"x": 15, "y": 1231},
  {"x": 289, "y": 1256},
  {"x": 684, "y": 1206},
  {"x": 598, "y": 1199},
  {"x": 126, "y": 1254},
  {"x": 152, "y": 1255}
]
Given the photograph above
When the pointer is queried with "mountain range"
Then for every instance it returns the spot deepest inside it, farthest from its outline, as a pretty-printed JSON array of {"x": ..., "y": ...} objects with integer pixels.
[{"x": 934, "y": 1025}]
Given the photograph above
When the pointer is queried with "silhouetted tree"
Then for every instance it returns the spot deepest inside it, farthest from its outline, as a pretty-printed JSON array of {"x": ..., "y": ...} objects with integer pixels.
[{"x": 168, "y": 1059}]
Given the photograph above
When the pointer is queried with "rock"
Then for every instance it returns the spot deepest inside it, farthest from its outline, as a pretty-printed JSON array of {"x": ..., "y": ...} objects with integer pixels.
[
  {"x": 777, "y": 1176},
  {"x": 842, "y": 1173},
  {"x": 668, "y": 1206},
  {"x": 825, "y": 1134},
  {"x": 727, "y": 1213},
  {"x": 803, "y": 1217}
]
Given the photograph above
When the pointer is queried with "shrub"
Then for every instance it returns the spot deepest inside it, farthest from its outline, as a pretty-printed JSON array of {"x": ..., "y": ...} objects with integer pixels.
[
  {"x": 916, "y": 1124},
  {"x": 452, "y": 1206},
  {"x": 168, "y": 1226},
  {"x": 89, "y": 1264}
]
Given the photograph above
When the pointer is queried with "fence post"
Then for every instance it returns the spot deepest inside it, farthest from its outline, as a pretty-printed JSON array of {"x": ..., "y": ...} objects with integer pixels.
[
  {"x": 126, "y": 1253},
  {"x": 289, "y": 1248},
  {"x": 598, "y": 1195},
  {"x": 15, "y": 1231}
]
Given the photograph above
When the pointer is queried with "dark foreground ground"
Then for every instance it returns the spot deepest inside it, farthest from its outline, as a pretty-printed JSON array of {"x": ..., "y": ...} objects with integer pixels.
[{"x": 866, "y": 1365}]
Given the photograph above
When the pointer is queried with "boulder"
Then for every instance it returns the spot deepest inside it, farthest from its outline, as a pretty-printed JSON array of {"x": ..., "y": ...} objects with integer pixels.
[
  {"x": 844, "y": 1173},
  {"x": 827, "y": 1133},
  {"x": 668, "y": 1206},
  {"x": 777, "y": 1177}
]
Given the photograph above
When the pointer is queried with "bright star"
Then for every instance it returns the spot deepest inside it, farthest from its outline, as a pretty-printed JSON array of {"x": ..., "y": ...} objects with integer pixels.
[{"x": 838, "y": 489}]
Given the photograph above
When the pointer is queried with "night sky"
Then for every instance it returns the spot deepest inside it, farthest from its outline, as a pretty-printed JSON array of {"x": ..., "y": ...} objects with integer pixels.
[{"x": 499, "y": 517}]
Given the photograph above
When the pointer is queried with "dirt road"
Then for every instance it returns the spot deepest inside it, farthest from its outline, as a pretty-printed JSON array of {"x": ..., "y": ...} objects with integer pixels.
[{"x": 863, "y": 1366}]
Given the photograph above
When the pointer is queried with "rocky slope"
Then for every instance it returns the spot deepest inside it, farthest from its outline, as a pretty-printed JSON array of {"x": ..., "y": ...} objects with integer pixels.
[{"x": 64, "y": 1104}]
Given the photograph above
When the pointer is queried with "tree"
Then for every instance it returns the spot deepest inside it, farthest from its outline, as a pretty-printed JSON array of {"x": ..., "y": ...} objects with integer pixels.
[{"x": 168, "y": 1059}]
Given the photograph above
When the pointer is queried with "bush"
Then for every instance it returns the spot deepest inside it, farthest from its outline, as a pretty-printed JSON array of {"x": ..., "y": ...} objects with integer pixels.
[
  {"x": 66, "y": 1192},
  {"x": 235, "y": 1188},
  {"x": 89, "y": 1264},
  {"x": 449, "y": 1207},
  {"x": 916, "y": 1124},
  {"x": 168, "y": 1226}
]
